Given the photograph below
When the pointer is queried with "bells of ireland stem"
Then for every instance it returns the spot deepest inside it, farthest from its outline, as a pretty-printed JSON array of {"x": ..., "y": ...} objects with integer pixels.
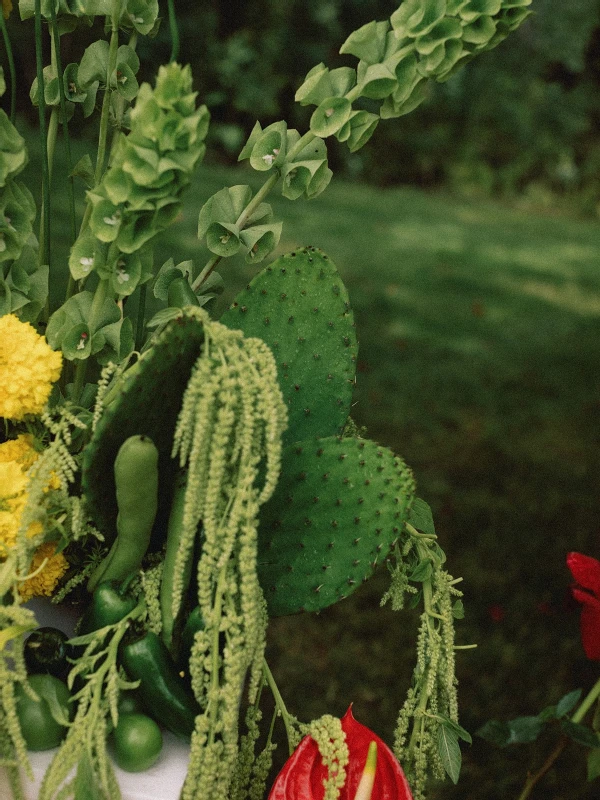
[{"x": 372, "y": 772}]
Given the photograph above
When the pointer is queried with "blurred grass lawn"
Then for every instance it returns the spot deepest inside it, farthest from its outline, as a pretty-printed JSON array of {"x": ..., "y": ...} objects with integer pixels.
[{"x": 479, "y": 330}]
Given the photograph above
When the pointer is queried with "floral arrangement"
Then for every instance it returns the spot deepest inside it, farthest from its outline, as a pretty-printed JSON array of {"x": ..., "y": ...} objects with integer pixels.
[{"x": 182, "y": 479}]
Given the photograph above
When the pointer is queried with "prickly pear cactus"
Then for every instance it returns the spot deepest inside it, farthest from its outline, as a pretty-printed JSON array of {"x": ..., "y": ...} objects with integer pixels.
[
  {"x": 299, "y": 306},
  {"x": 148, "y": 403},
  {"x": 338, "y": 509}
]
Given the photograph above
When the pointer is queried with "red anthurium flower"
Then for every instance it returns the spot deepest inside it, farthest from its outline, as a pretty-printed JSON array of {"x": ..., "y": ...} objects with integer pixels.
[
  {"x": 303, "y": 774},
  {"x": 586, "y": 571}
]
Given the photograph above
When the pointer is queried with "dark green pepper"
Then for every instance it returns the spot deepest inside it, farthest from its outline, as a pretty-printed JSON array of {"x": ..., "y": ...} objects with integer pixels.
[
  {"x": 194, "y": 623},
  {"x": 161, "y": 688},
  {"x": 46, "y": 651},
  {"x": 111, "y": 602}
]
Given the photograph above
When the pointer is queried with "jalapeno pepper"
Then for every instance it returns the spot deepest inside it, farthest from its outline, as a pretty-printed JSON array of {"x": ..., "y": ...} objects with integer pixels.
[
  {"x": 163, "y": 691},
  {"x": 110, "y": 602}
]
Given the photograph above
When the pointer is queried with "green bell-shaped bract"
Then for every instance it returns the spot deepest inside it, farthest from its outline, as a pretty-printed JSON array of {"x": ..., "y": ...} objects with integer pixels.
[
  {"x": 94, "y": 63},
  {"x": 225, "y": 205},
  {"x": 417, "y": 17},
  {"x": 359, "y": 129},
  {"x": 368, "y": 43},
  {"x": 269, "y": 148},
  {"x": 321, "y": 83},
  {"x": 17, "y": 212},
  {"x": 308, "y": 174},
  {"x": 25, "y": 288},
  {"x": 375, "y": 81},
  {"x": 74, "y": 93},
  {"x": 446, "y": 29},
  {"x": 83, "y": 256},
  {"x": 140, "y": 15},
  {"x": 391, "y": 107},
  {"x": 331, "y": 114},
  {"x": 13, "y": 153},
  {"x": 223, "y": 239},
  {"x": 261, "y": 240}
]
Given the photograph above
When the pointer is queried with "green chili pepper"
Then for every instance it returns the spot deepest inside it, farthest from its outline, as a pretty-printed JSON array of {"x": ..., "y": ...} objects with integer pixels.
[
  {"x": 111, "y": 602},
  {"x": 136, "y": 481},
  {"x": 161, "y": 688},
  {"x": 194, "y": 623}
]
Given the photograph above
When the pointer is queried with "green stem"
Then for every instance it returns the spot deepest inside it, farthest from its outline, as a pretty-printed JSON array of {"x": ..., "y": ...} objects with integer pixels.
[
  {"x": 141, "y": 314},
  {"x": 104, "y": 116},
  {"x": 100, "y": 296},
  {"x": 174, "y": 31},
  {"x": 55, "y": 40},
  {"x": 532, "y": 779},
  {"x": 11, "y": 68},
  {"x": 240, "y": 222},
  {"x": 44, "y": 251},
  {"x": 214, "y": 676},
  {"x": 285, "y": 715},
  {"x": 257, "y": 199}
]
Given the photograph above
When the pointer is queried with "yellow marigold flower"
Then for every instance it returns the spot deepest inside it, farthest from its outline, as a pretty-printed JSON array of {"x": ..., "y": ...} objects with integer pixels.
[
  {"x": 44, "y": 583},
  {"x": 7, "y": 7},
  {"x": 20, "y": 449},
  {"x": 16, "y": 457},
  {"x": 28, "y": 368}
]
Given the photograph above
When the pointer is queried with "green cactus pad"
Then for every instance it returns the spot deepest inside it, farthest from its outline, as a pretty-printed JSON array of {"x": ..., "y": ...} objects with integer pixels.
[
  {"x": 338, "y": 509},
  {"x": 299, "y": 306},
  {"x": 148, "y": 403}
]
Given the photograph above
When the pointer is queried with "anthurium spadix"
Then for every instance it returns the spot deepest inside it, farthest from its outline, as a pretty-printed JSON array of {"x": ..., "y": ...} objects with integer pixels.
[{"x": 372, "y": 772}]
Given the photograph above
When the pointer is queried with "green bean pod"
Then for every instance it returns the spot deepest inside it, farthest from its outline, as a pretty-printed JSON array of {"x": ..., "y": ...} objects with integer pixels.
[{"x": 136, "y": 481}]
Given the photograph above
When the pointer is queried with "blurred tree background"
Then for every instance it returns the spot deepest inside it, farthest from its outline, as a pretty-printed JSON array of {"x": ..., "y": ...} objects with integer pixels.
[
  {"x": 523, "y": 120},
  {"x": 479, "y": 334}
]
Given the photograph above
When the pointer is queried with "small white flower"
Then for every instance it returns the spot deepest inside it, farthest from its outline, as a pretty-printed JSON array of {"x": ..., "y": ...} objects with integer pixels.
[
  {"x": 329, "y": 112},
  {"x": 268, "y": 159},
  {"x": 87, "y": 263},
  {"x": 122, "y": 276},
  {"x": 114, "y": 220}
]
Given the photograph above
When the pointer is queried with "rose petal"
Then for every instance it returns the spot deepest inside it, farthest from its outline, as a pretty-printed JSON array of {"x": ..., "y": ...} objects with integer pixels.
[
  {"x": 585, "y": 570},
  {"x": 590, "y": 630}
]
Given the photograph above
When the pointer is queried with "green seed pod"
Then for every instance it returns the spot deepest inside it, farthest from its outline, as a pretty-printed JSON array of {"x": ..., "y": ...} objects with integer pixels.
[{"x": 136, "y": 481}]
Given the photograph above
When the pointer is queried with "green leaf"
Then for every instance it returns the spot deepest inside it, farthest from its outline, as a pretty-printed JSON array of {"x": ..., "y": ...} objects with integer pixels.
[
  {"x": 593, "y": 764},
  {"x": 580, "y": 733},
  {"x": 48, "y": 693},
  {"x": 458, "y": 729},
  {"x": 458, "y": 610},
  {"x": 422, "y": 572},
  {"x": 163, "y": 316},
  {"x": 567, "y": 703},
  {"x": 524, "y": 729},
  {"x": 495, "y": 732},
  {"x": 421, "y": 517},
  {"x": 449, "y": 751}
]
